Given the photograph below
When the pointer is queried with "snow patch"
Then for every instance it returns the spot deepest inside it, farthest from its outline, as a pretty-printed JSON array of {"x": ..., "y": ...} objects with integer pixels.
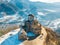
[
  {"x": 45, "y": 1},
  {"x": 41, "y": 13},
  {"x": 55, "y": 24},
  {"x": 8, "y": 18},
  {"x": 50, "y": 10}
]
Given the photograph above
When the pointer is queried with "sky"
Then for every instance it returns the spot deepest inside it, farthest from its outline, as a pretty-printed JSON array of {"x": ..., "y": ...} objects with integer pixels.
[{"x": 46, "y": 1}]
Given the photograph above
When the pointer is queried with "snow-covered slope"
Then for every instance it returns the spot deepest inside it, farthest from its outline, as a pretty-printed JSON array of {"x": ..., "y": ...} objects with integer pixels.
[
  {"x": 55, "y": 25},
  {"x": 11, "y": 18}
]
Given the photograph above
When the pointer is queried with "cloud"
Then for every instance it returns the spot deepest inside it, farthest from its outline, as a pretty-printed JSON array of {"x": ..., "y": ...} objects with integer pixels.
[{"x": 46, "y": 1}]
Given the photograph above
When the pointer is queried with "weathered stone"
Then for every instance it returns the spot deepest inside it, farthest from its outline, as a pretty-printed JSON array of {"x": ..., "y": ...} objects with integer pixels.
[{"x": 22, "y": 35}]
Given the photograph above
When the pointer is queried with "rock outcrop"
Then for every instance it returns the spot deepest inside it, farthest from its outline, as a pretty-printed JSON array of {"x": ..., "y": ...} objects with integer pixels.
[
  {"x": 47, "y": 37},
  {"x": 44, "y": 36},
  {"x": 22, "y": 35}
]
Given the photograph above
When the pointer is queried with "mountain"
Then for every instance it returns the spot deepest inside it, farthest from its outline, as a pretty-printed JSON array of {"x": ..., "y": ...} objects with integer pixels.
[
  {"x": 43, "y": 12},
  {"x": 32, "y": 7},
  {"x": 17, "y": 12}
]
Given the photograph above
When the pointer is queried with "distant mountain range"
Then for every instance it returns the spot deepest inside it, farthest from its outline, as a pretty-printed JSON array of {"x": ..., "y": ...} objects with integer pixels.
[
  {"x": 25, "y": 7},
  {"x": 44, "y": 12}
]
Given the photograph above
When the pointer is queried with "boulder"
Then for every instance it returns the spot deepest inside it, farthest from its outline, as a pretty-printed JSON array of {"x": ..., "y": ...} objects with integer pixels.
[{"x": 22, "y": 35}]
